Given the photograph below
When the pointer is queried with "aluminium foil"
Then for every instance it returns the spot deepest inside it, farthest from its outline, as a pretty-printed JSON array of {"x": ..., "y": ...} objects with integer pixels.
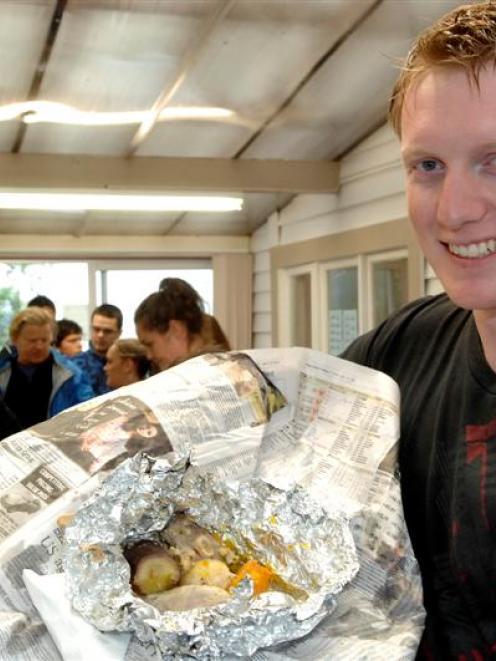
[{"x": 310, "y": 549}]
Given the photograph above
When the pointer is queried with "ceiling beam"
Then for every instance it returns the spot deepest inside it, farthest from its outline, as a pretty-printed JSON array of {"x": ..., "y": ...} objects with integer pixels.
[
  {"x": 276, "y": 114},
  {"x": 39, "y": 73},
  {"x": 153, "y": 174},
  {"x": 26, "y": 246}
]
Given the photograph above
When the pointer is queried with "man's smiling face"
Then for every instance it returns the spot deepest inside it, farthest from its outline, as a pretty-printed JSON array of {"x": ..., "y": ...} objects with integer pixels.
[{"x": 448, "y": 141}]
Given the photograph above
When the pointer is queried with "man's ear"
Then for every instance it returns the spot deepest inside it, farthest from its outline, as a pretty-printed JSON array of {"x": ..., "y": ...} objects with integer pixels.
[{"x": 178, "y": 329}]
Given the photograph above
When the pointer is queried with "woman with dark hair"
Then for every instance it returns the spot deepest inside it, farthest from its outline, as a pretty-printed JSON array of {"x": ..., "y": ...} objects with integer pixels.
[
  {"x": 173, "y": 326},
  {"x": 213, "y": 334},
  {"x": 211, "y": 331},
  {"x": 180, "y": 286}
]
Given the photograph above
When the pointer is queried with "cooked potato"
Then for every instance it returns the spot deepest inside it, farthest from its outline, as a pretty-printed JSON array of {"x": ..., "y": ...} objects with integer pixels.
[
  {"x": 152, "y": 568},
  {"x": 208, "y": 572}
]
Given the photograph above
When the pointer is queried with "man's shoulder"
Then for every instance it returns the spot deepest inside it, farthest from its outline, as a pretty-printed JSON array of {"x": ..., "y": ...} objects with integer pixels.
[
  {"x": 79, "y": 357},
  {"x": 7, "y": 353},
  {"x": 423, "y": 323},
  {"x": 87, "y": 358},
  {"x": 424, "y": 313}
]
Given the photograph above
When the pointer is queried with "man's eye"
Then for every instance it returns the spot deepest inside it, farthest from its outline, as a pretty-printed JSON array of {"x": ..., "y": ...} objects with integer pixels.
[
  {"x": 490, "y": 161},
  {"x": 427, "y": 165}
]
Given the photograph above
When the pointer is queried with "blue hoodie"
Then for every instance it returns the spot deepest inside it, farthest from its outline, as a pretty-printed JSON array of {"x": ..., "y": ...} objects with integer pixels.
[{"x": 70, "y": 385}]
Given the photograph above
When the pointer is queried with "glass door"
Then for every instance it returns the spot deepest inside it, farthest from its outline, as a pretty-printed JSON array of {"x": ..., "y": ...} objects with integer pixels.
[
  {"x": 341, "y": 318},
  {"x": 387, "y": 283},
  {"x": 298, "y": 307}
]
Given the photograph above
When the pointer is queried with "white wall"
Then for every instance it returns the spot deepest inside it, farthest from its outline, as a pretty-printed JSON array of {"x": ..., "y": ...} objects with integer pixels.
[
  {"x": 262, "y": 241},
  {"x": 372, "y": 191}
]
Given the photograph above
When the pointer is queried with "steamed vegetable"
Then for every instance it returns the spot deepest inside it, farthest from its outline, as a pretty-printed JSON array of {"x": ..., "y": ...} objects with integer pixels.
[{"x": 260, "y": 575}]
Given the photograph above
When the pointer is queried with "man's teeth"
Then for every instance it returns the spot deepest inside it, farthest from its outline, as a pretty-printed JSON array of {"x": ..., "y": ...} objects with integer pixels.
[{"x": 474, "y": 249}]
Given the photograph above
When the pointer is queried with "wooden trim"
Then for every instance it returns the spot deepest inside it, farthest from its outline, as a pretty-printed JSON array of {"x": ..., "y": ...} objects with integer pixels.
[
  {"x": 233, "y": 278},
  {"x": 154, "y": 174},
  {"x": 28, "y": 246}
]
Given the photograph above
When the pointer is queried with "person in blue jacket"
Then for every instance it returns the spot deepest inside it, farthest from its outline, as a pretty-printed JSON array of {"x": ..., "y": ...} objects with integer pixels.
[
  {"x": 37, "y": 381},
  {"x": 105, "y": 329}
]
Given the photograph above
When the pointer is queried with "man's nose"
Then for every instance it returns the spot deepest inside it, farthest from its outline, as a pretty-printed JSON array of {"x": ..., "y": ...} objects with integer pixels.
[{"x": 461, "y": 199}]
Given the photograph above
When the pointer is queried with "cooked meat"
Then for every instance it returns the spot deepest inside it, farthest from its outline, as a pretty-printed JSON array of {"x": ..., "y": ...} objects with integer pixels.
[{"x": 190, "y": 543}]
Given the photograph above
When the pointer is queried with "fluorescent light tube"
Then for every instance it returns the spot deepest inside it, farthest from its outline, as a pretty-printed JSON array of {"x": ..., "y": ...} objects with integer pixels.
[
  {"x": 114, "y": 202},
  {"x": 34, "y": 112}
]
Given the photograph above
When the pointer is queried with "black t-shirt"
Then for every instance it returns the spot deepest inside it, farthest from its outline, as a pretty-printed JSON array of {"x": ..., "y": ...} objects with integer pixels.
[{"x": 448, "y": 467}]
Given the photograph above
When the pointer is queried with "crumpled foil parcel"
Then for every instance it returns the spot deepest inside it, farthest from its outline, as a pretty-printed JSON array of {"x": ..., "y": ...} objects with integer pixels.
[{"x": 309, "y": 548}]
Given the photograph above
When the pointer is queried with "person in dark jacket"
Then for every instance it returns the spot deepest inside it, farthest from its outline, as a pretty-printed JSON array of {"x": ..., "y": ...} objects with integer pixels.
[
  {"x": 9, "y": 424},
  {"x": 36, "y": 381}
]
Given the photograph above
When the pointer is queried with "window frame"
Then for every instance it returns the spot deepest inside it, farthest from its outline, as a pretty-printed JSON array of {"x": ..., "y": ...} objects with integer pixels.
[{"x": 362, "y": 243}]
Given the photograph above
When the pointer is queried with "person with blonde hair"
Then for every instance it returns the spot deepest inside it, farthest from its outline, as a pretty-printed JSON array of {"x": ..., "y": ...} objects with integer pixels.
[
  {"x": 441, "y": 349},
  {"x": 36, "y": 381},
  {"x": 126, "y": 363}
]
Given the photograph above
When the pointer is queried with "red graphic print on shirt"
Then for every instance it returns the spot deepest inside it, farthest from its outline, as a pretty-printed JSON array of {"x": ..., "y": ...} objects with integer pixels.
[{"x": 477, "y": 437}]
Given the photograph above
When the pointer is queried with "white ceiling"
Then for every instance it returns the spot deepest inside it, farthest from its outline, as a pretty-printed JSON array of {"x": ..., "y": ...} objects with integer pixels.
[{"x": 307, "y": 79}]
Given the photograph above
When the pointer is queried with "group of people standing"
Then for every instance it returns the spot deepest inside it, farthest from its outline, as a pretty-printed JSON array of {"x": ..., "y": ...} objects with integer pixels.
[{"x": 44, "y": 371}]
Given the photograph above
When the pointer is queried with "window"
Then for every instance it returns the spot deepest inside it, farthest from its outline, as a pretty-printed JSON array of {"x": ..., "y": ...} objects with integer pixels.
[
  {"x": 128, "y": 283},
  {"x": 325, "y": 306},
  {"x": 354, "y": 280},
  {"x": 77, "y": 287},
  {"x": 65, "y": 283}
]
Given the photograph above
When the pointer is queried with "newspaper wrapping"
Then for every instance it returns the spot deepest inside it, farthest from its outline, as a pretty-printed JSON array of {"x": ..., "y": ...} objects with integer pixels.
[{"x": 336, "y": 438}]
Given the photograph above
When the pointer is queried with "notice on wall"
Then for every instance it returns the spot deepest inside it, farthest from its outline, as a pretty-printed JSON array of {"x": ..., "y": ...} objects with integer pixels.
[{"x": 343, "y": 329}]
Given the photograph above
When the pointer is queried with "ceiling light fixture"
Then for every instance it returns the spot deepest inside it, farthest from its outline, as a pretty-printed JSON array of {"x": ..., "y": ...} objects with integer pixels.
[
  {"x": 34, "y": 112},
  {"x": 117, "y": 202}
]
